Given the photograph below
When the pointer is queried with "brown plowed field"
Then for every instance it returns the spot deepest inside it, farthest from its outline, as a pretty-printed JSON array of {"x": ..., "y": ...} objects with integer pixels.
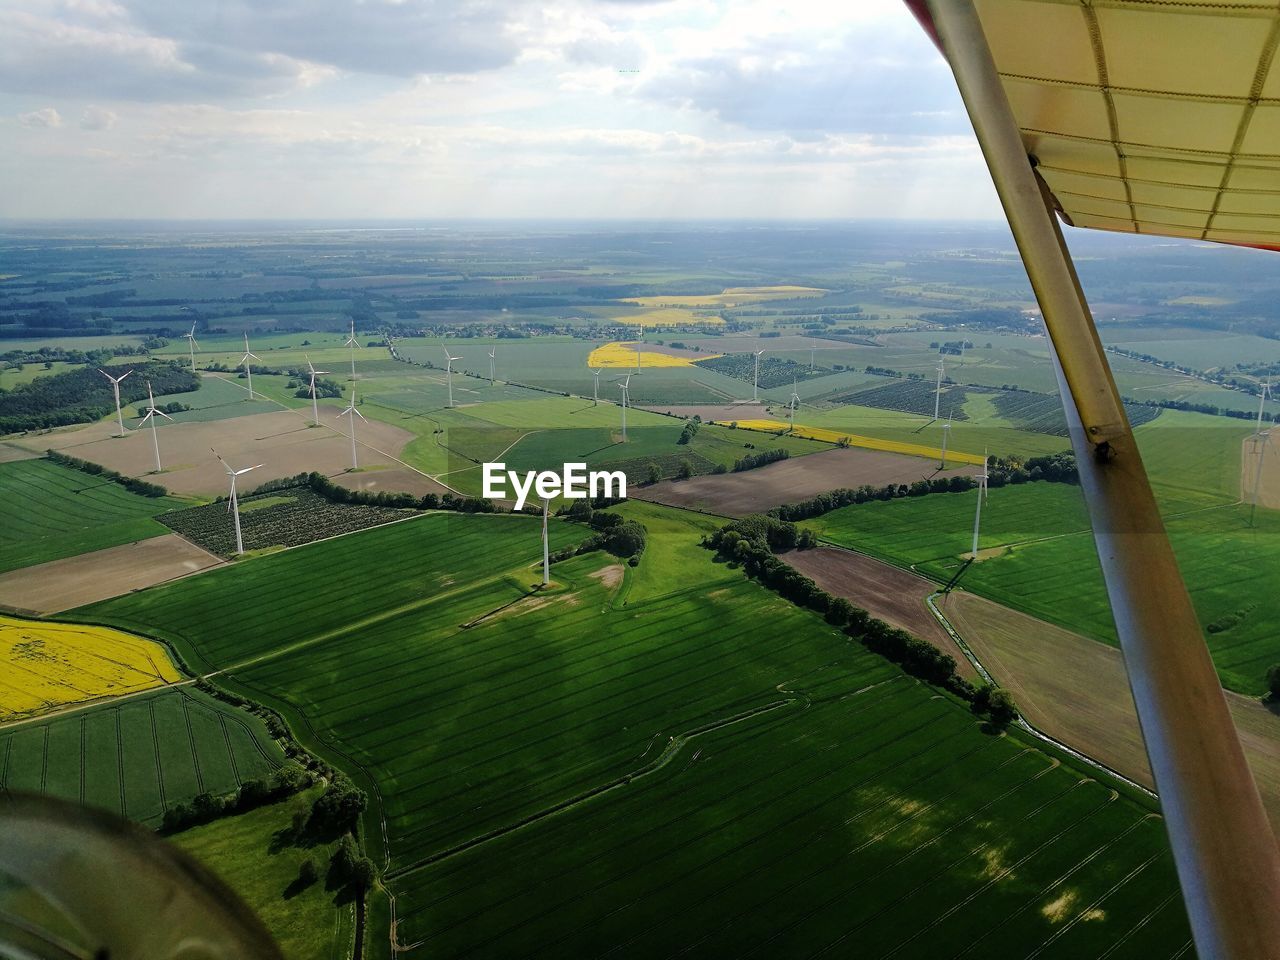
[
  {"x": 63, "y": 584},
  {"x": 284, "y": 443},
  {"x": 392, "y": 480},
  {"x": 1076, "y": 690},
  {"x": 755, "y": 491},
  {"x": 1269, "y": 493},
  {"x": 890, "y": 593}
]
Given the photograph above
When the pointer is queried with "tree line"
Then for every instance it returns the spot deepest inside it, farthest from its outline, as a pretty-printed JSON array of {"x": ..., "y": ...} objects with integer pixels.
[
  {"x": 1052, "y": 468},
  {"x": 84, "y": 396},
  {"x": 132, "y": 484},
  {"x": 752, "y": 542}
]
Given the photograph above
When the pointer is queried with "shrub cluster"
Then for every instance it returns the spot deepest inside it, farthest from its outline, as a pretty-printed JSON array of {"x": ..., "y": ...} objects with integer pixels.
[
  {"x": 132, "y": 484},
  {"x": 690, "y": 429},
  {"x": 764, "y": 457},
  {"x": 289, "y": 779},
  {"x": 621, "y": 537}
]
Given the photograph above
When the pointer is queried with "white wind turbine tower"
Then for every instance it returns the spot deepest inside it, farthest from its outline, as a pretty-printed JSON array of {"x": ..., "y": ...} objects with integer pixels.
[
  {"x": 1263, "y": 396},
  {"x": 315, "y": 404},
  {"x": 191, "y": 344},
  {"x": 546, "y": 545},
  {"x": 233, "y": 504},
  {"x": 813, "y": 345},
  {"x": 624, "y": 385},
  {"x": 449, "y": 372},
  {"x": 248, "y": 372},
  {"x": 1259, "y": 441},
  {"x": 492, "y": 363},
  {"x": 946, "y": 432},
  {"x": 351, "y": 344},
  {"x": 351, "y": 413},
  {"x": 595, "y": 388},
  {"x": 152, "y": 412},
  {"x": 937, "y": 394},
  {"x": 638, "y": 355},
  {"x": 982, "y": 495},
  {"x": 755, "y": 381},
  {"x": 115, "y": 388},
  {"x": 792, "y": 404}
]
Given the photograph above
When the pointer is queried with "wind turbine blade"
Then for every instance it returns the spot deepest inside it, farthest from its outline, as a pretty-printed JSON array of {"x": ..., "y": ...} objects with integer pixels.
[
  {"x": 127, "y": 372},
  {"x": 149, "y": 415},
  {"x": 161, "y": 413},
  {"x": 359, "y": 414}
]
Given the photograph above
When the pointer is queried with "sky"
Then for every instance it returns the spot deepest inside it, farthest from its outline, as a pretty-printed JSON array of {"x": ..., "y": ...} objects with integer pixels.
[{"x": 585, "y": 109}]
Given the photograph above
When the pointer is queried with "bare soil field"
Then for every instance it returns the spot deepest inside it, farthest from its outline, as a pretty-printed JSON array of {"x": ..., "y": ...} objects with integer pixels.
[
  {"x": 755, "y": 491},
  {"x": 10, "y": 452},
  {"x": 890, "y": 593},
  {"x": 284, "y": 443},
  {"x": 63, "y": 584},
  {"x": 721, "y": 412},
  {"x": 1269, "y": 489},
  {"x": 395, "y": 479},
  {"x": 1076, "y": 690}
]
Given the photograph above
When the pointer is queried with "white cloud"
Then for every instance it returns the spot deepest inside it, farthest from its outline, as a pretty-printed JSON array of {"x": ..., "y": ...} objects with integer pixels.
[
  {"x": 97, "y": 118},
  {"x": 46, "y": 117}
]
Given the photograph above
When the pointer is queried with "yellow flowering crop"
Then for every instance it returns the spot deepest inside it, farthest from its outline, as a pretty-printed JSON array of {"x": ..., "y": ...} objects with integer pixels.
[
  {"x": 870, "y": 443},
  {"x": 45, "y": 664}
]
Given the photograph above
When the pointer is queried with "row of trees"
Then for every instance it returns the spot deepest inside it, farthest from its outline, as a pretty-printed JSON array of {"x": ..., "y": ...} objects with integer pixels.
[
  {"x": 752, "y": 541},
  {"x": 753, "y": 460},
  {"x": 285, "y": 781},
  {"x": 334, "y": 493},
  {"x": 1054, "y": 468},
  {"x": 132, "y": 484},
  {"x": 614, "y": 533}
]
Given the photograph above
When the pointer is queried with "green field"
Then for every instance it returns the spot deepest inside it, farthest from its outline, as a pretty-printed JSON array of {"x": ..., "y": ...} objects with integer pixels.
[
  {"x": 139, "y": 756},
  {"x": 48, "y": 512},
  {"x": 246, "y": 851},
  {"x": 1049, "y": 565},
  {"x": 691, "y": 762}
]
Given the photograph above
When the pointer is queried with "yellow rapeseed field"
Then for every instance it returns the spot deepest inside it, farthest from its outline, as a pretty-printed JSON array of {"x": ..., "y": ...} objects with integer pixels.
[
  {"x": 870, "y": 443},
  {"x": 45, "y": 664},
  {"x": 730, "y": 297},
  {"x": 624, "y": 355}
]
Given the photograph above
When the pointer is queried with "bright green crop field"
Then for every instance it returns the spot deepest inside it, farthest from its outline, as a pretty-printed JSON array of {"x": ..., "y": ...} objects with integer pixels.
[
  {"x": 48, "y": 512},
  {"x": 640, "y": 761},
  {"x": 139, "y": 756}
]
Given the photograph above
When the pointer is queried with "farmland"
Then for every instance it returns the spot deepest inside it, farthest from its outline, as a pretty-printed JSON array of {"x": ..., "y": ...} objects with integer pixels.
[
  {"x": 623, "y": 355},
  {"x": 49, "y": 664},
  {"x": 648, "y": 719},
  {"x": 246, "y": 851},
  {"x": 139, "y": 756},
  {"x": 904, "y": 447},
  {"x": 911, "y": 396},
  {"x": 286, "y": 519},
  {"x": 48, "y": 512}
]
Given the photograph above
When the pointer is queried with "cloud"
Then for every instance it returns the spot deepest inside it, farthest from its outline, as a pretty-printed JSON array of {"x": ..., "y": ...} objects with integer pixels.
[
  {"x": 377, "y": 36},
  {"x": 96, "y": 118},
  {"x": 48, "y": 117}
]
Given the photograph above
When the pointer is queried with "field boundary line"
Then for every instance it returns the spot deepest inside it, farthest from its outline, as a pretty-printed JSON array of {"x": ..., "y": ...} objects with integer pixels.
[
  {"x": 674, "y": 745},
  {"x": 1020, "y": 721}
]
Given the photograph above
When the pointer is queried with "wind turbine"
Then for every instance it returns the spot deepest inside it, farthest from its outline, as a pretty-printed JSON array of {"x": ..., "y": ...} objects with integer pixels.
[
  {"x": 191, "y": 343},
  {"x": 492, "y": 362},
  {"x": 755, "y": 382},
  {"x": 792, "y": 404},
  {"x": 937, "y": 394},
  {"x": 813, "y": 345},
  {"x": 233, "y": 504},
  {"x": 152, "y": 412},
  {"x": 245, "y": 360},
  {"x": 624, "y": 385},
  {"x": 315, "y": 405},
  {"x": 1263, "y": 396},
  {"x": 351, "y": 412},
  {"x": 449, "y": 367},
  {"x": 115, "y": 388},
  {"x": 1259, "y": 441},
  {"x": 946, "y": 432},
  {"x": 546, "y": 545},
  {"x": 982, "y": 495},
  {"x": 351, "y": 344},
  {"x": 595, "y": 388},
  {"x": 638, "y": 353}
]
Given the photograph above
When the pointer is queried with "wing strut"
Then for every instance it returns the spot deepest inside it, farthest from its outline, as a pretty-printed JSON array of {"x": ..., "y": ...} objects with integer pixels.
[{"x": 1226, "y": 856}]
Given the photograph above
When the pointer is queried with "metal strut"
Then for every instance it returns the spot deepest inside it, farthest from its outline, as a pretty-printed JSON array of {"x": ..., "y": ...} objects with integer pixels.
[{"x": 1223, "y": 846}]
